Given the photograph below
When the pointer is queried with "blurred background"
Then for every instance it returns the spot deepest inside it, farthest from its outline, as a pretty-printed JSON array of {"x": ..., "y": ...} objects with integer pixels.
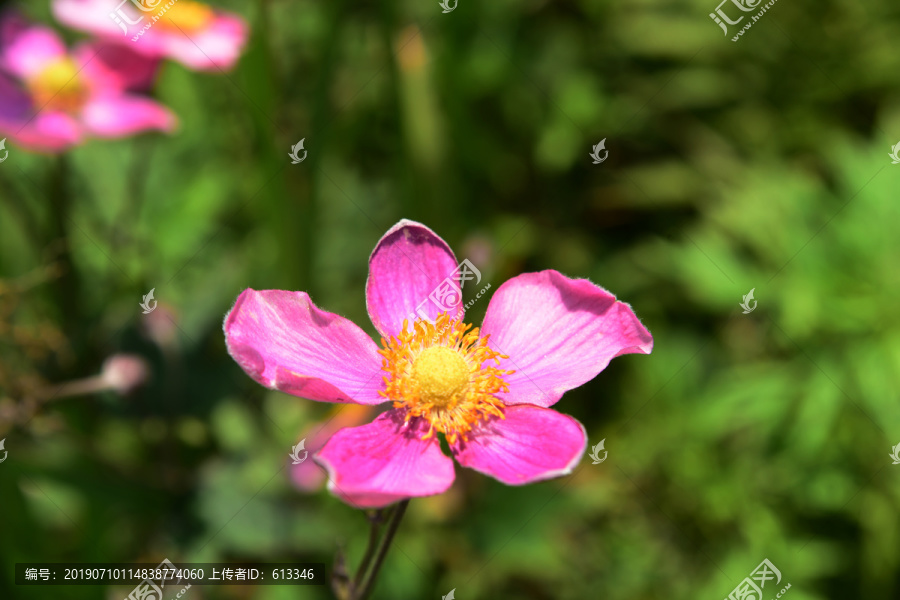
[{"x": 761, "y": 164}]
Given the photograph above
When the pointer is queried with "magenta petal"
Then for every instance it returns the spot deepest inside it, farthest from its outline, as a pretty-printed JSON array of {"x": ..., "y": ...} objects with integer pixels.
[
  {"x": 408, "y": 264},
  {"x": 118, "y": 116},
  {"x": 530, "y": 444},
  {"x": 283, "y": 341},
  {"x": 385, "y": 461},
  {"x": 558, "y": 333},
  {"x": 48, "y": 131},
  {"x": 111, "y": 66},
  {"x": 308, "y": 475},
  {"x": 26, "y": 49}
]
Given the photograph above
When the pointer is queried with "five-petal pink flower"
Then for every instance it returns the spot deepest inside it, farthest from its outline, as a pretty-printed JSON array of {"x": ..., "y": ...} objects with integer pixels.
[
  {"x": 192, "y": 33},
  {"x": 489, "y": 393},
  {"x": 51, "y": 99}
]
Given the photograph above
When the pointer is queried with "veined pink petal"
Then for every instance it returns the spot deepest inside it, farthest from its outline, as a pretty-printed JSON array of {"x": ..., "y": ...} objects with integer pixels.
[
  {"x": 308, "y": 475},
  {"x": 558, "y": 333},
  {"x": 283, "y": 341},
  {"x": 26, "y": 48},
  {"x": 385, "y": 461},
  {"x": 409, "y": 263},
  {"x": 118, "y": 116},
  {"x": 530, "y": 444}
]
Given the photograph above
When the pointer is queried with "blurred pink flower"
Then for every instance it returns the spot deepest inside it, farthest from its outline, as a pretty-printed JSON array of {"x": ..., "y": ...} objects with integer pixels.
[
  {"x": 51, "y": 99},
  {"x": 191, "y": 33},
  {"x": 487, "y": 391}
]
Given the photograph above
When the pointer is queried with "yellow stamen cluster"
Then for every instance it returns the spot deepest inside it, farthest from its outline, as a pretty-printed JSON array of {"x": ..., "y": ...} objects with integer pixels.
[
  {"x": 437, "y": 371},
  {"x": 58, "y": 87}
]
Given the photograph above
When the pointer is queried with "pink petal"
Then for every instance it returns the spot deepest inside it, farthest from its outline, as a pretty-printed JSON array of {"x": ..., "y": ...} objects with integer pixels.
[
  {"x": 308, "y": 475},
  {"x": 109, "y": 66},
  {"x": 48, "y": 131},
  {"x": 283, "y": 341},
  {"x": 27, "y": 49},
  {"x": 409, "y": 263},
  {"x": 218, "y": 46},
  {"x": 118, "y": 116},
  {"x": 530, "y": 444},
  {"x": 385, "y": 461},
  {"x": 92, "y": 16},
  {"x": 558, "y": 333}
]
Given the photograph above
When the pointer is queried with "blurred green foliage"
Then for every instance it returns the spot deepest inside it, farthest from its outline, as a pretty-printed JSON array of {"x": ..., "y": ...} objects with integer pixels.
[{"x": 757, "y": 164}]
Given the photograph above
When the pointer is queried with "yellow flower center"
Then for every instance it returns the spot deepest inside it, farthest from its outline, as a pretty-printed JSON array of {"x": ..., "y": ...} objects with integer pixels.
[
  {"x": 58, "y": 87},
  {"x": 437, "y": 372},
  {"x": 442, "y": 374},
  {"x": 187, "y": 16}
]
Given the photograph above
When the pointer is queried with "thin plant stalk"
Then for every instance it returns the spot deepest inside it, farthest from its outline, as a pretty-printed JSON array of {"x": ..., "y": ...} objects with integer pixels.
[
  {"x": 368, "y": 582},
  {"x": 376, "y": 521}
]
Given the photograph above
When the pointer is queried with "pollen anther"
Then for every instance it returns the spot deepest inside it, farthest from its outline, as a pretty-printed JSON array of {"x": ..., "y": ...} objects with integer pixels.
[{"x": 437, "y": 371}]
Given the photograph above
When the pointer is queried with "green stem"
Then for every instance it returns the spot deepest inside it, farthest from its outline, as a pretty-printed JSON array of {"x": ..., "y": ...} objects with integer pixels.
[
  {"x": 392, "y": 526},
  {"x": 67, "y": 284},
  {"x": 375, "y": 522}
]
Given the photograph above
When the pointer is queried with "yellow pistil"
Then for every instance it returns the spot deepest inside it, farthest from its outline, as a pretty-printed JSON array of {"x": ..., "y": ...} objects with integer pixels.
[
  {"x": 58, "y": 87},
  {"x": 187, "y": 16},
  {"x": 437, "y": 372}
]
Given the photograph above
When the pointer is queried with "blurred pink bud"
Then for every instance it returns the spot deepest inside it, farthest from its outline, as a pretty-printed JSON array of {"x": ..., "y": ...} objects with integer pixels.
[{"x": 124, "y": 372}]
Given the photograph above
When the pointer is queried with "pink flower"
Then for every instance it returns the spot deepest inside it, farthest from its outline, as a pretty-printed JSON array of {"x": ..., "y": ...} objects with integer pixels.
[
  {"x": 51, "y": 99},
  {"x": 487, "y": 391},
  {"x": 192, "y": 33}
]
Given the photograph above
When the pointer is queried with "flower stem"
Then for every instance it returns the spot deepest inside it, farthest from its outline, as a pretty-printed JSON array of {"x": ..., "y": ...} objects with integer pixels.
[
  {"x": 367, "y": 581},
  {"x": 375, "y": 521}
]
